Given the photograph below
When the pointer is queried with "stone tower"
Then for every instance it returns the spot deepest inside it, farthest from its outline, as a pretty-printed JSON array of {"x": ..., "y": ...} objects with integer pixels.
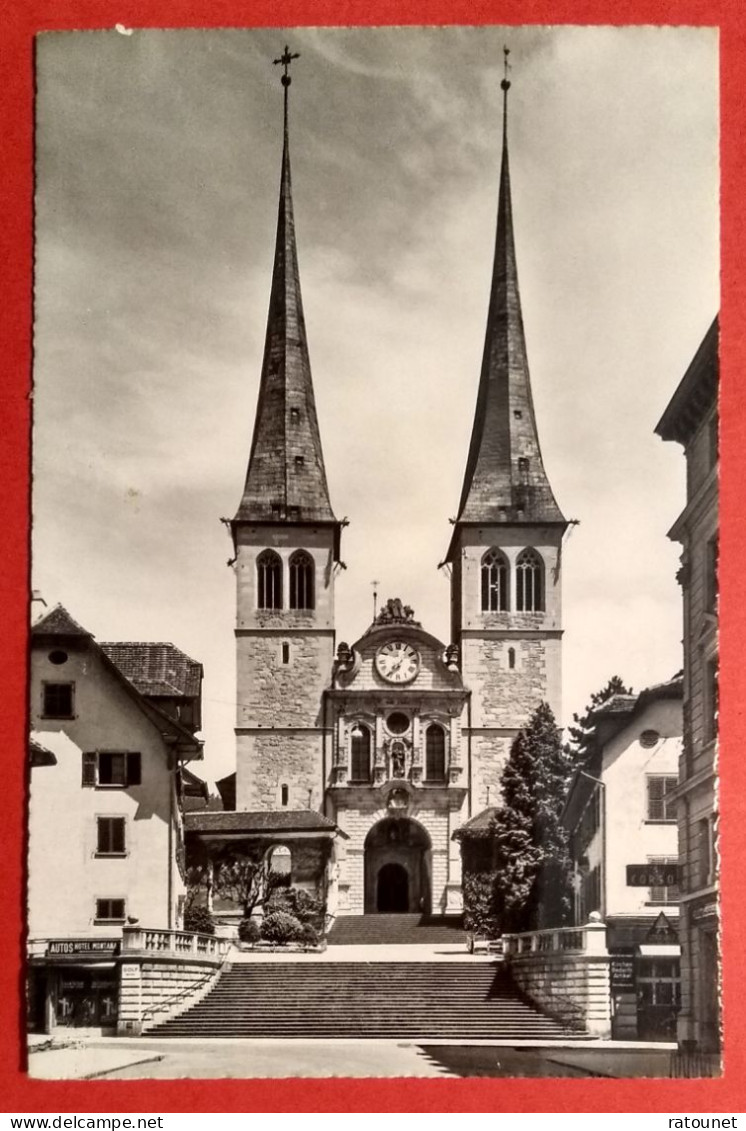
[
  {"x": 505, "y": 552},
  {"x": 286, "y": 542}
]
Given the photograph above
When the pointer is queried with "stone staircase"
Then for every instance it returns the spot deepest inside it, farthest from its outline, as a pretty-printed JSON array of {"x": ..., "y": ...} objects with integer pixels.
[
  {"x": 399, "y": 930},
  {"x": 395, "y": 1000}
]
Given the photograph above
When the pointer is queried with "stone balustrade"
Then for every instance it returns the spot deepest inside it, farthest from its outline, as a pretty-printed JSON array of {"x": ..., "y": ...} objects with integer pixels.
[
  {"x": 565, "y": 971},
  {"x": 163, "y": 973},
  {"x": 185, "y": 944}
]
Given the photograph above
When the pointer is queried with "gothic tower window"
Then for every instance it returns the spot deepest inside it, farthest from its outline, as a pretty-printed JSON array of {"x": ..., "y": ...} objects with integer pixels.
[
  {"x": 360, "y": 754},
  {"x": 529, "y": 582},
  {"x": 435, "y": 753},
  {"x": 494, "y": 582},
  {"x": 301, "y": 581},
  {"x": 269, "y": 580}
]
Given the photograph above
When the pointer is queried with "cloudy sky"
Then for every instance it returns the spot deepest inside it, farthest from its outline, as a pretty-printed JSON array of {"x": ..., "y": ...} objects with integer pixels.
[{"x": 158, "y": 160}]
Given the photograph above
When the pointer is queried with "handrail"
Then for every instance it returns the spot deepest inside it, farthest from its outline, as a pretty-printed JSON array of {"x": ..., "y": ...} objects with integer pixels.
[{"x": 152, "y": 1010}]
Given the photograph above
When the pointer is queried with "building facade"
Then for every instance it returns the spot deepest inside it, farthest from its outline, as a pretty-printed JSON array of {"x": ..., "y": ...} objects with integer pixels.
[
  {"x": 691, "y": 419},
  {"x": 399, "y": 738},
  {"x": 620, "y": 814},
  {"x": 106, "y": 843}
]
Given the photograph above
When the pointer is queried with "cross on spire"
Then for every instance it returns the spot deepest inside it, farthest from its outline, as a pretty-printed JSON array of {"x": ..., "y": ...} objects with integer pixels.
[
  {"x": 285, "y": 60},
  {"x": 505, "y": 84}
]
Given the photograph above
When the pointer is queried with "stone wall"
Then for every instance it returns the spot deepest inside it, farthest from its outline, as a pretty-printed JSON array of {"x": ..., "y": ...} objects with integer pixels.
[
  {"x": 156, "y": 989},
  {"x": 267, "y": 761},
  {"x": 573, "y": 988}
]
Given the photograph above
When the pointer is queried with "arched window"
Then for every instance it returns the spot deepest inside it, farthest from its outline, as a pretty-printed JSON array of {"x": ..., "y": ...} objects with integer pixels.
[
  {"x": 360, "y": 754},
  {"x": 280, "y": 867},
  {"x": 529, "y": 582},
  {"x": 435, "y": 753},
  {"x": 494, "y": 582},
  {"x": 269, "y": 580},
  {"x": 301, "y": 581}
]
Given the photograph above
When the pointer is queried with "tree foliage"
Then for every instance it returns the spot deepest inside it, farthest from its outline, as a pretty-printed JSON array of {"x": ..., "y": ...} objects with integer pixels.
[
  {"x": 581, "y": 732},
  {"x": 243, "y": 878},
  {"x": 528, "y": 885}
]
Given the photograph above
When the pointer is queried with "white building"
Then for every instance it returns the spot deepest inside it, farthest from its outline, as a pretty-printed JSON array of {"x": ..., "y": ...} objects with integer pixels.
[
  {"x": 105, "y": 829},
  {"x": 620, "y": 813}
]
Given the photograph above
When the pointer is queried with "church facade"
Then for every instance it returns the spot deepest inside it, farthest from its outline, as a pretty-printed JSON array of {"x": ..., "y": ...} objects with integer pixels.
[{"x": 398, "y": 738}]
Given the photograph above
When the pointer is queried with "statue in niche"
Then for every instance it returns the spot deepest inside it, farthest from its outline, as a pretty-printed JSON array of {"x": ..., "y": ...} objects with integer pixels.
[{"x": 397, "y": 760}]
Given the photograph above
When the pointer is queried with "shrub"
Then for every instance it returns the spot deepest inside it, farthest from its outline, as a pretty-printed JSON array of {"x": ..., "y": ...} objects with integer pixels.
[
  {"x": 248, "y": 930},
  {"x": 300, "y": 904},
  {"x": 307, "y": 935},
  {"x": 479, "y": 904},
  {"x": 200, "y": 920},
  {"x": 279, "y": 927}
]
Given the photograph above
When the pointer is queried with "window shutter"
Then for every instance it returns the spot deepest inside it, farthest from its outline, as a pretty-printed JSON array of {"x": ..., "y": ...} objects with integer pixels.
[
  {"x": 89, "y": 768},
  {"x": 134, "y": 768},
  {"x": 655, "y": 799},
  {"x": 117, "y": 834}
]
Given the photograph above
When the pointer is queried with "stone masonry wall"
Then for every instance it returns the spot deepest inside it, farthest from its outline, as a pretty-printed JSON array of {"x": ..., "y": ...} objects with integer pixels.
[
  {"x": 573, "y": 988},
  {"x": 151, "y": 992},
  {"x": 267, "y": 761}
]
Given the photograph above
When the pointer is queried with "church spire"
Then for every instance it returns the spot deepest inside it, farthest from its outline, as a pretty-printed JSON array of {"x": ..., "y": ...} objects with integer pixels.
[
  {"x": 286, "y": 479},
  {"x": 505, "y": 480}
]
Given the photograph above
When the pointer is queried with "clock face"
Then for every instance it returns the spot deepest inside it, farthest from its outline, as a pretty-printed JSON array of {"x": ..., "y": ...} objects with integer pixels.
[{"x": 397, "y": 661}]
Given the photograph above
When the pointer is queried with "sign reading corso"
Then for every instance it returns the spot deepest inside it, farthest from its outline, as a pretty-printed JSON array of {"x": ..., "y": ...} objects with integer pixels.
[
  {"x": 83, "y": 946},
  {"x": 652, "y": 875}
]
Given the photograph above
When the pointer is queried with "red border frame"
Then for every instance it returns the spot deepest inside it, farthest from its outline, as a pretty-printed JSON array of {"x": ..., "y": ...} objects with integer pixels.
[{"x": 20, "y": 22}]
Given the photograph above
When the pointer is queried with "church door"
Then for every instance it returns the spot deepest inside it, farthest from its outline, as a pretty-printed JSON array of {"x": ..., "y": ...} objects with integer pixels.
[{"x": 393, "y": 890}]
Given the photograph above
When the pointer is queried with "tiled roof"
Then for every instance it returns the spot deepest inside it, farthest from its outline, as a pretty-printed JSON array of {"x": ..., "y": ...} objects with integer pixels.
[
  {"x": 286, "y": 479},
  {"x": 276, "y": 820},
  {"x": 58, "y": 622},
  {"x": 505, "y": 480},
  {"x": 156, "y": 669},
  {"x": 478, "y": 825},
  {"x": 39, "y": 755}
]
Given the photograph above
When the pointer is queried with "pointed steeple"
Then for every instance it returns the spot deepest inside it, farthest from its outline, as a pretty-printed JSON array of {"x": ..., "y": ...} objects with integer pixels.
[
  {"x": 286, "y": 479},
  {"x": 505, "y": 480}
]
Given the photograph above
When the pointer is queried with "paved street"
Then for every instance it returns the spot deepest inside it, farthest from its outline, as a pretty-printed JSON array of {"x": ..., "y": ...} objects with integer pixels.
[{"x": 246, "y": 1059}]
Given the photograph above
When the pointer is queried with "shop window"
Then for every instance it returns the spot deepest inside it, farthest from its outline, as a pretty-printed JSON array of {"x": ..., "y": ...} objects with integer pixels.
[
  {"x": 435, "y": 753},
  {"x": 495, "y": 575},
  {"x": 58, "y": 700},
  {"x": 360, "y": 754},
  {"x": 269, "y": 580},
  {"x": 529, "y": 582},
  {"x": 301, "y": 581},
  {"x": 110, "y": 836},
  {"x": 661, "y": 805},
  {"x": 110, "y": 910},
  {"x": 116, "y": 769}
]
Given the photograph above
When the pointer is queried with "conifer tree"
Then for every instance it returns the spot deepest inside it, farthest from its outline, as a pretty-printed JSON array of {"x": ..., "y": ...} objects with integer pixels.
[
  {"x": 531, "y": 849},
  {"x": 581, "y": 733}
]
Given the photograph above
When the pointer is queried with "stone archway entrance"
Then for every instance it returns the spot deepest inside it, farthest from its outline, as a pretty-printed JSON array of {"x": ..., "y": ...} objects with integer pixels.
[{"x": 397, "y": 867}]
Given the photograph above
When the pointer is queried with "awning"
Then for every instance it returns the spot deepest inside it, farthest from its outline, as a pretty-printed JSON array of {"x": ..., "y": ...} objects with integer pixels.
[{"x": 659, "y": 950}]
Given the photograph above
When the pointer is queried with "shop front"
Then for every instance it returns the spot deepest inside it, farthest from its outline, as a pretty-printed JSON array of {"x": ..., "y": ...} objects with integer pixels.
[{"x": 74, "y": 984}]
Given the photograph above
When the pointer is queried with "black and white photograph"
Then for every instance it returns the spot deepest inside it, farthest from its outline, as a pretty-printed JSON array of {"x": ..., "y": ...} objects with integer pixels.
[{"x": 373, "y": 687}]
